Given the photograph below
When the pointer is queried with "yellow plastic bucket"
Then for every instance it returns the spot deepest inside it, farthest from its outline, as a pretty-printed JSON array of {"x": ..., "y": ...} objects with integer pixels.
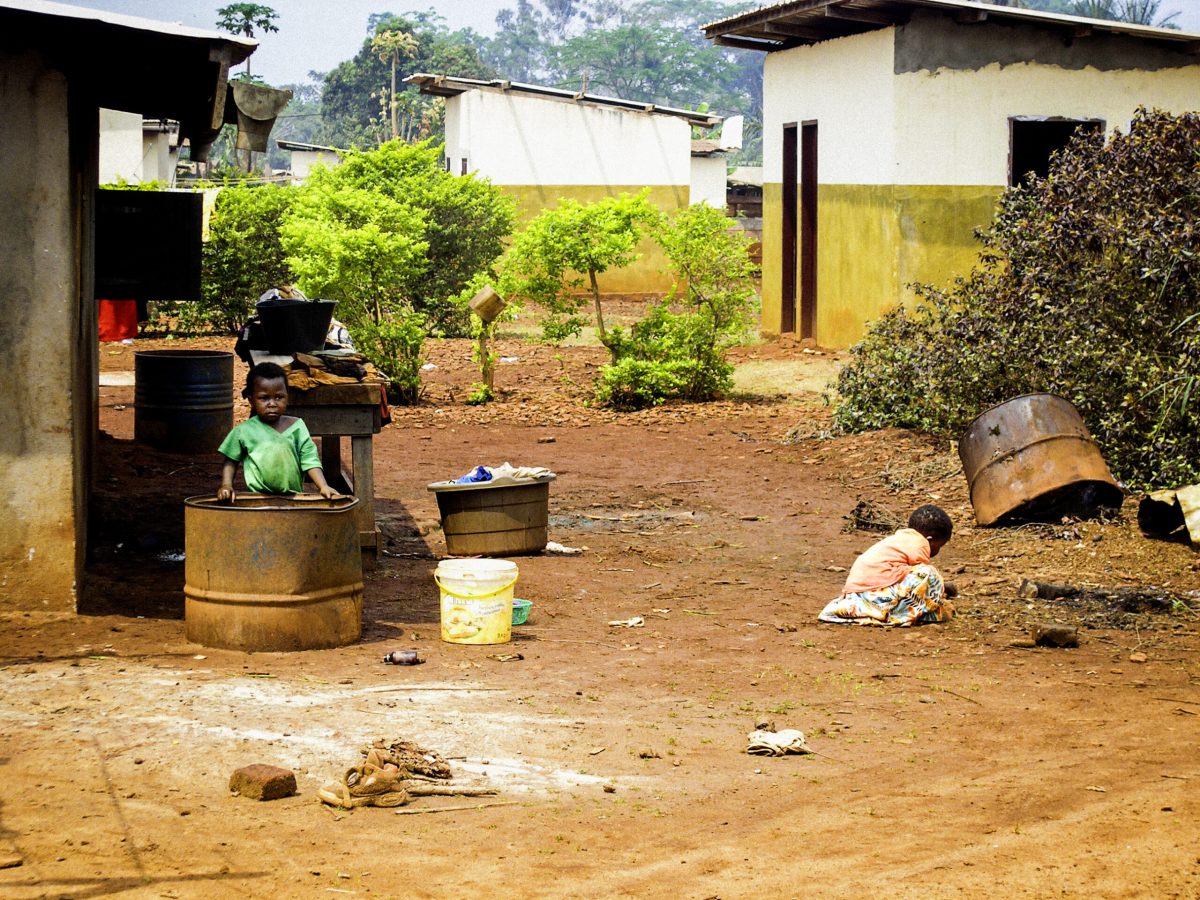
[{"x": 477, "y": 597}]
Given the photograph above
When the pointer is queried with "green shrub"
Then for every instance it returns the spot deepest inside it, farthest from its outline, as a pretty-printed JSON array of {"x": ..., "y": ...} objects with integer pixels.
[
  {"x": 465, "y": 223},
  {"x": 398, "y": 243},
  {"x": 680, "y": 355},
  {"x": 365, "y": 250},
  {"x": 243, "y": 256},
  {"x": 1088, "y": 287}
]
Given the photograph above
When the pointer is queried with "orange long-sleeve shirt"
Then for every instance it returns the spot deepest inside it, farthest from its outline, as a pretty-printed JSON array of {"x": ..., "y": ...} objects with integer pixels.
[{"x": 888, "y": 561}]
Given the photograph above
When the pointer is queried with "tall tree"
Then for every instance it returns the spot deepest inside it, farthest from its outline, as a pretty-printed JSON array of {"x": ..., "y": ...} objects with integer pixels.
[
  {"x": 388, "y": 46},
  {"x": 1136, "y": 12},
  {"x": 244, "y": 18},
  {"x": 351, "y": 109},
  {"x": 648, "y": 50}
]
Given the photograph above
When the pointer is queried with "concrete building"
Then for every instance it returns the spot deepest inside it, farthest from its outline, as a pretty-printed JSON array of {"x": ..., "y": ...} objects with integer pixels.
[
  {"x": 892, "y": 126},
  {"x": 542, "y": 144},
  {"x": 136, "y": 150},
  {"x": 59, "y": 66},
  {"x": 305, "y": 156}
]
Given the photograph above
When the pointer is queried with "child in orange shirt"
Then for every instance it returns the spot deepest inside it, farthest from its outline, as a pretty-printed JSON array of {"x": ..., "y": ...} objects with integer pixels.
[{"x": 893, "y": 583}]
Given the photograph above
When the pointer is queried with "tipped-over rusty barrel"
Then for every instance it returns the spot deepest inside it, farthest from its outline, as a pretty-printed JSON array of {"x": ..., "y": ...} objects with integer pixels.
[
  {"x": 1031, "y": 458},
  {"x": 272, "y": 573}
]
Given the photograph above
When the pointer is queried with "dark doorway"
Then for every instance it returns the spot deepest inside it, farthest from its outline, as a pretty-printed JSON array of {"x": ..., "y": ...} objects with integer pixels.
[
  {"x": 1032, "y": 141},
  {"x": 808, "y": 230},
  {"x": 787, "y": 320}
]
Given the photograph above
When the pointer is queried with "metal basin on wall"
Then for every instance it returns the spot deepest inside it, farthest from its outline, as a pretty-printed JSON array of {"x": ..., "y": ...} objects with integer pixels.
[
  {"x": 272, "y": 573},
  {"x": 1032, "y": 458}
]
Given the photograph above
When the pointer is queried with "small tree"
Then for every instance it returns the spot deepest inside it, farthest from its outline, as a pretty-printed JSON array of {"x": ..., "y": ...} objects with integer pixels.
[
  {"x": 396, "y": 241},
  {"x": 466, "y": 221},
  {"x": 561, "y": 252}
]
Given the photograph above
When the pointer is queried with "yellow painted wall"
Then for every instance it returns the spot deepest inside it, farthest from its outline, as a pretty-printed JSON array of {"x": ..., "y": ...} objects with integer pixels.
[
  {"x": 649, "y": 274},
  {"x": 772, "y": 258},
  {"x": 872, "y": 242}
]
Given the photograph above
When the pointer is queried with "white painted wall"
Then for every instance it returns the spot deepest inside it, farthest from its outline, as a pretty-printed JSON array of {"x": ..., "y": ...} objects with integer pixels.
[
  {"x": 952, "y": 126},
  {"x": 303, "y": 162},
  {"x": 158, "y": 156},
  {"x": 520, "y": 140},
  {"x": 948, "y": 127},
  {"x": 708, "y": 181},
  {"x": 847, "y": 86},
  {"x": 120, "y": 147}
]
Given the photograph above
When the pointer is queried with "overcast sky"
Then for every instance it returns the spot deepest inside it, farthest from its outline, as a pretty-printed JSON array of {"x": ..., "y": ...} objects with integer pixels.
[{"x": 316, "y": 35}]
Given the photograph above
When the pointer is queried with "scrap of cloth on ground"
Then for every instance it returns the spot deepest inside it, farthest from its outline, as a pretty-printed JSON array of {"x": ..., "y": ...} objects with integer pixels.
[{"x": 272, "y": 463}]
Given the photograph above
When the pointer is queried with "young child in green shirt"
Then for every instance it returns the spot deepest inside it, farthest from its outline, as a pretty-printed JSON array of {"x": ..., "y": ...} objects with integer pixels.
[{"x": 274, "y": 449}]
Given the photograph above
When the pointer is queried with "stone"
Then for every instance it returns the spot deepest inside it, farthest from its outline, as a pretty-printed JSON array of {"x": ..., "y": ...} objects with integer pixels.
[
  {"x": 1055, "y": 636},
  {"x": 263, "y": 782}
]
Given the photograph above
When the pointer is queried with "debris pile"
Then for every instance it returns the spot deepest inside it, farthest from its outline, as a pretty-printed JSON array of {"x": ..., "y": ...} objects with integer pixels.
[
  {"x": 308, "y": 370},
  {"x": 390, "y": 775}
]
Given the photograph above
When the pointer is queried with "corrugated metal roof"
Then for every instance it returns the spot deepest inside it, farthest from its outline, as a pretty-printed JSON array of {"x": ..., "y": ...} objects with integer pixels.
[
  {"x": 306, "y": 148},
  {"x": 781, "y": 25},
  {"x": 449, "y": 86},
  {"x": 65, "y": 11}
]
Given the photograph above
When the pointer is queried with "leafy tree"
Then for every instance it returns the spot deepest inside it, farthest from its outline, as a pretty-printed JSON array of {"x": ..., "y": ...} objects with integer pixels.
[
  {"x": 1087, "y": 288},
  {"x": 651, "y": 50},
  {"x": 682, "y": 354},
  {"x": 365, "y": 250},
  {"x": 244, "y": 18},
  {"x": 1136, "y": 12},
  {"x": 243, "y": 255},
  {"x": 396, "y": 241},
  {"x": 466, "y": 221},
  {"x": 351, "y": 108},
  {"x": 562, "y": 251}
]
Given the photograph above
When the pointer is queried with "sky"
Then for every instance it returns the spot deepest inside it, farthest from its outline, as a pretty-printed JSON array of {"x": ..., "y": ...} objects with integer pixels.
[{"x": 316, "y": 35}]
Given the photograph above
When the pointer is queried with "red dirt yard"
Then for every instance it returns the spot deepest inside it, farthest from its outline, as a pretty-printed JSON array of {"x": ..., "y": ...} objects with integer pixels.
[{"x": 954, "y": 760}]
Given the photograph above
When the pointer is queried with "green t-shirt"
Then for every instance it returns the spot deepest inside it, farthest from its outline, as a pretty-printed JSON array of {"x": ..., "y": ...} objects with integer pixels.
[{"x": 273, "y": 462}]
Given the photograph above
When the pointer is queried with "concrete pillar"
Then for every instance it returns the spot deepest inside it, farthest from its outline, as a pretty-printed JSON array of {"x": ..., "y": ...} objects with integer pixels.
[{"x": 42, "y": 415}]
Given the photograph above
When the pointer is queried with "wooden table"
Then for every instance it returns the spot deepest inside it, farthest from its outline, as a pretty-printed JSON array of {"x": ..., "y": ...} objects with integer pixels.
[{"x": 331, "y": 411}]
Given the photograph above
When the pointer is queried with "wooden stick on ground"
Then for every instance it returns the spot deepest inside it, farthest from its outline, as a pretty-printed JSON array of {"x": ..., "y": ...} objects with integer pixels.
[
  {"x": 438, "y": 809},
  {"x": 437, "y": 791}
]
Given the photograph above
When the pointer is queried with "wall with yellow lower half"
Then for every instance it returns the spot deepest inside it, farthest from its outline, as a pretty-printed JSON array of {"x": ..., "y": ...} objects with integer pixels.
[
  {"x": 649, "y": 273},
  {"x": 873, "y": 242}
]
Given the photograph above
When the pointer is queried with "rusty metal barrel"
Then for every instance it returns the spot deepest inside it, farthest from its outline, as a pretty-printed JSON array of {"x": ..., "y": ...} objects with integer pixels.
[
  {"x": 272, "y": 572},
  {"x": 182, "y": 399},
  {"x": 1032, "y": 459}
]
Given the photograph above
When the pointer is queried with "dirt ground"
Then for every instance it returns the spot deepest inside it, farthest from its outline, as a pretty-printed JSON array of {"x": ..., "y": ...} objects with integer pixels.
[{"x": 954, "y": 760}]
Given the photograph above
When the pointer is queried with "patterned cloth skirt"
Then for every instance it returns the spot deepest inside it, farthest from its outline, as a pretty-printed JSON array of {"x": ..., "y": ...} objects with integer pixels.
[{"x": 917, "y": 600}]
